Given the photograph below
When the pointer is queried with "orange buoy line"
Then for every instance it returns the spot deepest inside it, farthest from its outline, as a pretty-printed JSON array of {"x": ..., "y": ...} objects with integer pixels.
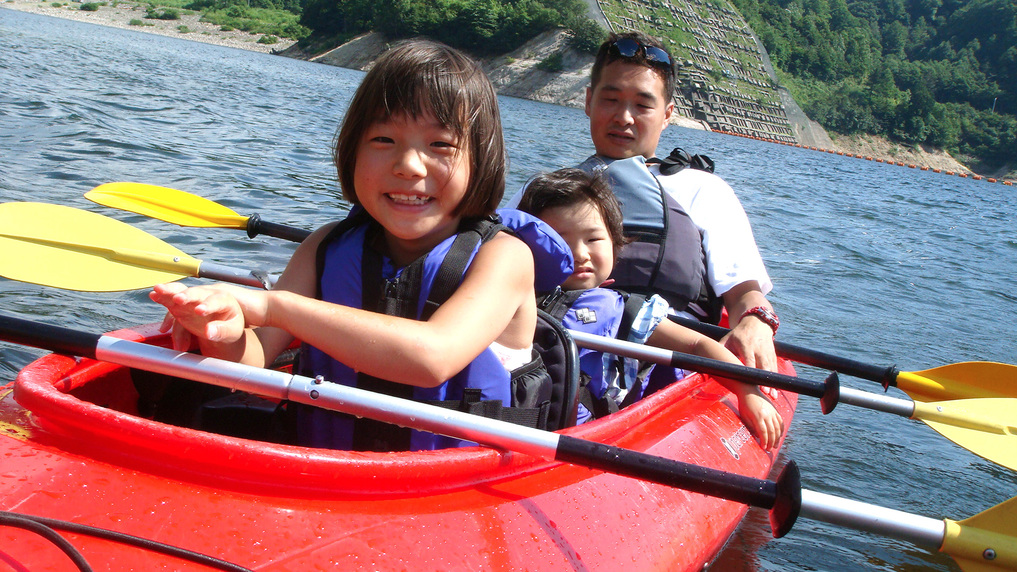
[{"x": 867, "y": 157}]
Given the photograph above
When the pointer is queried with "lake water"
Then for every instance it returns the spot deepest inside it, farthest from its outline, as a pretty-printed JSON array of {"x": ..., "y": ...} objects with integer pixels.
[{"x": 879, "y": 263}]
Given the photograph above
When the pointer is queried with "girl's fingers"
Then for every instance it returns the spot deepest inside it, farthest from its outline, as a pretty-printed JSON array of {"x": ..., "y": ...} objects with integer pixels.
[
  {"x": 168, "y": 289},
  {"x": 776, "y": 430},
  {"x": 167, "y": 323},
  {"x": 182, "y": 339}
]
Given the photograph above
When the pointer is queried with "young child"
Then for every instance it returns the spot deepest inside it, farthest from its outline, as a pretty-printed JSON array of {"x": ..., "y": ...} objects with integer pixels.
[
  {"x": 584, "y": 211},
  {"x": 420, "y": 154}
]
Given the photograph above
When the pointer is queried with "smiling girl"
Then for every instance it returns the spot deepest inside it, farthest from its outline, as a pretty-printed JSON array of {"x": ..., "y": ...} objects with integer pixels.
[{"x": 421, "y": 157}]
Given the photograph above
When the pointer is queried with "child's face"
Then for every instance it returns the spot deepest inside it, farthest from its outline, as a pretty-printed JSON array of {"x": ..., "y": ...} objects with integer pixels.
[
  {"x": 583, "y": 228},
  {"x": 410, "y": 175}
]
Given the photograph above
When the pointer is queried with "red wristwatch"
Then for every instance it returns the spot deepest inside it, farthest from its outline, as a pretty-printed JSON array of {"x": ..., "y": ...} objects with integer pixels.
[{"x": 766, "y": 315}]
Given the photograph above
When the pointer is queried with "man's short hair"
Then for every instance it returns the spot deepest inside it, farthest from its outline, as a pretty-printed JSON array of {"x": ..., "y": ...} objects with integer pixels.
[{"x": 606, "y": 55}]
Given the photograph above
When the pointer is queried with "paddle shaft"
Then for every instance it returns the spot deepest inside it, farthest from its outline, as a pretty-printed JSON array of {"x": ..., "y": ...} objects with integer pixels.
[
  {"x": 886, "y": 376},
  {"x": 829, "y": 392}
]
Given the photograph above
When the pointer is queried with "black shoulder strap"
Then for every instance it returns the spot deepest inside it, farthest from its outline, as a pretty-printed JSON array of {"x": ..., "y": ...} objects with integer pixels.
[
  {"x": 679, "y": 159},
  {"x": 353, "y": 219},
  {"x": 396, "y": 298},
  {"x": 450, "y": 273},
  {"x": 633, "y": 303}
]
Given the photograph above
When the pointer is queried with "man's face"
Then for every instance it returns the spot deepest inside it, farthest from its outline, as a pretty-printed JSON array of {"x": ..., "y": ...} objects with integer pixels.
[{"x": 628, "y": 110}]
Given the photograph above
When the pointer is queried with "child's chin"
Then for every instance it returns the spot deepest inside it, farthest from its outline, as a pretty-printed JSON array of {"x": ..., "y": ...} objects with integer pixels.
[{"x": 578, "y": 285}]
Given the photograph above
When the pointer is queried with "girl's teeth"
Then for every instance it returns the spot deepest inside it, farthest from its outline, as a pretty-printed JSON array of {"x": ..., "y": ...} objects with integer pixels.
[{"x": 409, "y": 199}]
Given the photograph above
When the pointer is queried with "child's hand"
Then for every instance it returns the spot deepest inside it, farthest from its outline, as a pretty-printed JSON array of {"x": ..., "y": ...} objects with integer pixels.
[
  {"x": 209, "y": 313},
  {"x": 761, "y": 417}
]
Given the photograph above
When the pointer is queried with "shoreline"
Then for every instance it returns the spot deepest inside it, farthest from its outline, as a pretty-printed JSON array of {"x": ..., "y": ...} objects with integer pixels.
[
  {"x": 502, "y": 74},
  {"x": 121, "y": 14}
]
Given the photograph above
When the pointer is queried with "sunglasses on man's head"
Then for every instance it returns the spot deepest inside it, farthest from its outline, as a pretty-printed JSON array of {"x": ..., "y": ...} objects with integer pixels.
[{"x": 628, "y": 48}]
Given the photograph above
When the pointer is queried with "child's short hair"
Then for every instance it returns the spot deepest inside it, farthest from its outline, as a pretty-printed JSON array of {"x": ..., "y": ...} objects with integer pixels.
[
  {"x": 639, "y": 49},
  {"x": 568, "y": 187},
  {"x": 420, "y": 77}
]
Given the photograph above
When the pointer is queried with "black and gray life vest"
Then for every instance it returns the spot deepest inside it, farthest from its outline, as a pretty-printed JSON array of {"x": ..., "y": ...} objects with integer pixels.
[{"x": 666, "y": 255}]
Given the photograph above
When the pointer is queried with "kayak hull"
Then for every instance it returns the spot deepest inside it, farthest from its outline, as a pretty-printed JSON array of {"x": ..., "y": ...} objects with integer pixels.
[{"x": 73, "y": 447}]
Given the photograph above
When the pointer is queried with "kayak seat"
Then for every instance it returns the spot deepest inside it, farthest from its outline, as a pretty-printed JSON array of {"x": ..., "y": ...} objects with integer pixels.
[
  {"x": 194, "y": 405},
  {"x": 186, "y": 403}
]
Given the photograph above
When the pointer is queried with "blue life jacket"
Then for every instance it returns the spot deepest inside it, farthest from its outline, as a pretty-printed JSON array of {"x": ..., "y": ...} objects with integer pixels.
[
  {"x": 353, "y": 273},
  {"x": 601, "y": 312},
  {"x": 666, "y": 255}
]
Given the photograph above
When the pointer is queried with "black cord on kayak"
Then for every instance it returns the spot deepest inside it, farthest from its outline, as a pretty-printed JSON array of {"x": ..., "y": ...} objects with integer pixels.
[
  {"x": 122, "y": 538},
  {"x": 32, "y": 525}
]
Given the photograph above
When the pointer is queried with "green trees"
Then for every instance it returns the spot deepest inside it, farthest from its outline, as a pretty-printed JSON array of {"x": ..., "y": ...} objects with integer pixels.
[
  {"x": 917, "y": 71},
  {"x": 939, "y": 72},
  {"x": 478, "y": 26}
]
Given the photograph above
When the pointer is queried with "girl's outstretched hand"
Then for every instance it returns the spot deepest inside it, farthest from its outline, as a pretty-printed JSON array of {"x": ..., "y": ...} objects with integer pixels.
[
  {"x": 208, "y": 313},
  {"x": 760, "y": 416}
]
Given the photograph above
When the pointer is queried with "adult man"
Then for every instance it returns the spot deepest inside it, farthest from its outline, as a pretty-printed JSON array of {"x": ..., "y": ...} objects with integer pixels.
[{"x": 629, "y": 103}]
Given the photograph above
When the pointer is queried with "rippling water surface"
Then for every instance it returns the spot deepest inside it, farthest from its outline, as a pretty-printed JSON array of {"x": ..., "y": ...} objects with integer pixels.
[{"x": 875, "y": 262}]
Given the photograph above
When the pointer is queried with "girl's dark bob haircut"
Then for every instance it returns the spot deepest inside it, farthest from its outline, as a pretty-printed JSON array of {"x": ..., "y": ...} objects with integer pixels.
[{"x": 417, "y": 78}]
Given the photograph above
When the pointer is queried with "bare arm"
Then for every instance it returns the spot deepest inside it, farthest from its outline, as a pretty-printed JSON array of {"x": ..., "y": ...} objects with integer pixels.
[
  {"x": 495, "y": 302},
  {"x": 751, "y": 339},
  {"x": 490, "y": 305}
]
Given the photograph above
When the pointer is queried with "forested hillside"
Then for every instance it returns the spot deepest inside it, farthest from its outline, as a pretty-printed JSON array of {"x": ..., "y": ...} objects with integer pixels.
[
  {"x": 937, "y": 72},
  {"x": 940, "y": 72},
  {"x": 483, "y": 27}
]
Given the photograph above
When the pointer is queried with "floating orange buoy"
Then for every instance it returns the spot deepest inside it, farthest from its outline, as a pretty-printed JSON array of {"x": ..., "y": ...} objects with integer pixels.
[
  {"x": 949, "y": 172},
  {"x": 912, "y": 166},
  {"x": 1009, "y": 183},
  {"x": 965, "y": 175},
  {"x": 878, "y": 160},
  {"x": 868, "y": 158},
  {"x": 937, "y": 171},
  {"x": 924, "y": 168},
  {"x": 976, "y": 177},
  {"x": 991, "y": 180}
]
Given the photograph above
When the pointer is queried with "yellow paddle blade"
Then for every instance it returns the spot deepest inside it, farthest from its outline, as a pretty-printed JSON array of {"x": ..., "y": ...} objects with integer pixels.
[
  {"x": 984, "y": 542},
  {"x": 960, "y": 381},
  {"x": 170, "y": 205},
  {"x": 986, "y": 426},
  {"x": 68, "y": 248}
]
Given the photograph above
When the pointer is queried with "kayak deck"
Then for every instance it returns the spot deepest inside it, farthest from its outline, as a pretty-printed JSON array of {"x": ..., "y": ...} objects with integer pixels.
[{"x": 83, "y": 454}]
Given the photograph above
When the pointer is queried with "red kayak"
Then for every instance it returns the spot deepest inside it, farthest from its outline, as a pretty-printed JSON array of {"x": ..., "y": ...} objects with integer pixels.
[{"x": 76, "y": 449}]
